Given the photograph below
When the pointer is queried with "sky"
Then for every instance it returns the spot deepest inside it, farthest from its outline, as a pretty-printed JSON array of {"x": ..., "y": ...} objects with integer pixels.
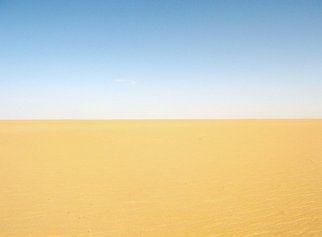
[{"x": 169, "y": 59}]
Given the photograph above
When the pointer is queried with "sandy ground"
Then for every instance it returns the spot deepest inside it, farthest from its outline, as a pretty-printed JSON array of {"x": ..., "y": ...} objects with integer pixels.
[{"x": 161, "y": 178}]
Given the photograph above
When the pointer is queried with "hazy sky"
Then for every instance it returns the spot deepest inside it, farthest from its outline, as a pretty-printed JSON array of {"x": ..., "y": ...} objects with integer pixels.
[{"x": 160, "y": 59}]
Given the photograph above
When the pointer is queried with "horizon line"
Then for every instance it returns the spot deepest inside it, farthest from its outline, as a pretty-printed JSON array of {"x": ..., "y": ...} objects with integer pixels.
[{"x": 157, "y": 119}]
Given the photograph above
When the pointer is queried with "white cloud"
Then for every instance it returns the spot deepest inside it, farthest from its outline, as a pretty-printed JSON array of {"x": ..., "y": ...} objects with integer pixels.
[{"x": 127, "y": 82}]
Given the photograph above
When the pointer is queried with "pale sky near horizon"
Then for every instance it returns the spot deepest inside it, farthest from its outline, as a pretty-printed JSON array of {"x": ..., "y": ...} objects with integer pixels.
[{"x": 96, "y": 59}]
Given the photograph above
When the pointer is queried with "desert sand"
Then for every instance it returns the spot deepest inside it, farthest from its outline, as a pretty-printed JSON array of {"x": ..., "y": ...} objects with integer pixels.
[{"x": 201, "y": 178}]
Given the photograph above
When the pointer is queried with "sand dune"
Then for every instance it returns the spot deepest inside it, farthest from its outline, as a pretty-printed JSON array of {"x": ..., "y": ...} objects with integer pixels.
[{"x": 250, "y": 178}]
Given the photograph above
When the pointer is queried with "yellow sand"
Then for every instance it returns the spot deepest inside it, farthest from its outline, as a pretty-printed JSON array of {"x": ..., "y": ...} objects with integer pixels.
[{"x": 161, "y": 178}]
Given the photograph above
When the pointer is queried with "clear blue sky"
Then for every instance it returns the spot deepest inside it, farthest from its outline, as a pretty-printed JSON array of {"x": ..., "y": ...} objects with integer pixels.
[{"x": 100, "y": 59}]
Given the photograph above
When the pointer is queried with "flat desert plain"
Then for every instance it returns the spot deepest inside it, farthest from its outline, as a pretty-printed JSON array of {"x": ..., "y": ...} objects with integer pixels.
[{"x": 200, "y": 178}]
